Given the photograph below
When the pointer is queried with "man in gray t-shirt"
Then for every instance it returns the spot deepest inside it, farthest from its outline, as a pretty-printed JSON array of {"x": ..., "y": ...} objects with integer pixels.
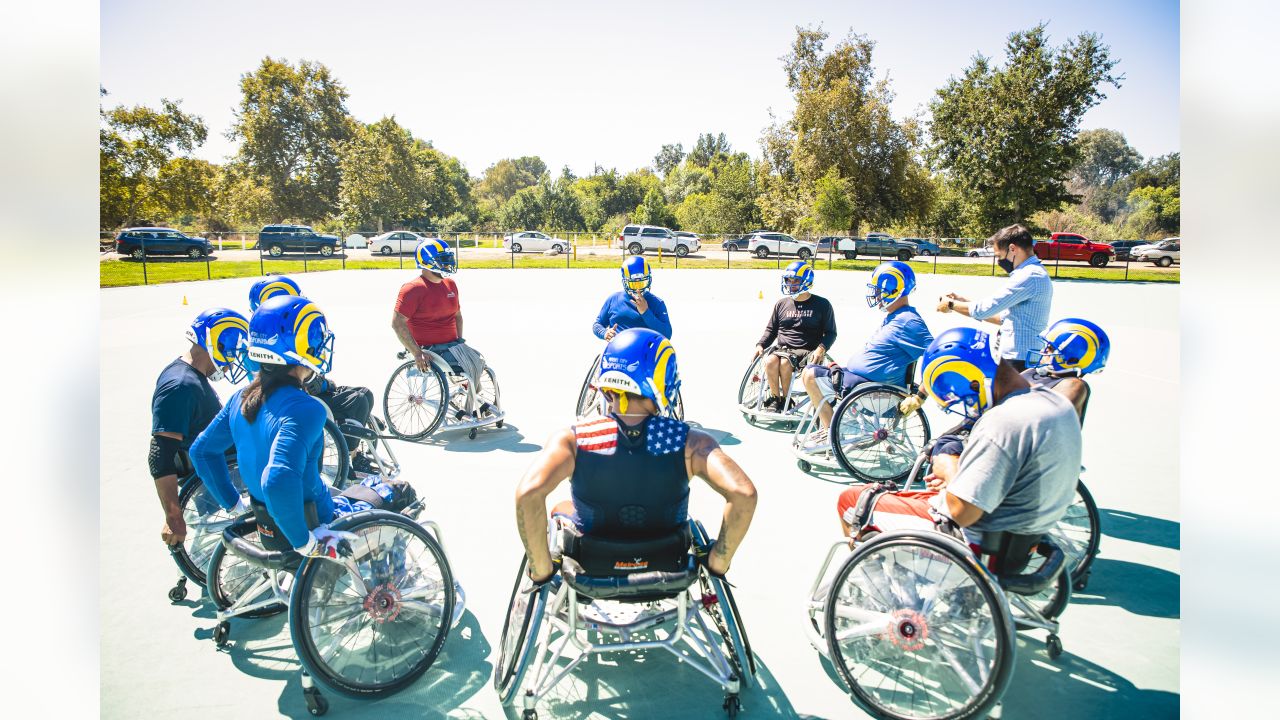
[{"x": 1019, "y": 467}]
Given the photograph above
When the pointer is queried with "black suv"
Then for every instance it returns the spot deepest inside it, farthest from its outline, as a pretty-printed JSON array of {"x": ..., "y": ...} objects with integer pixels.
[
  {"x": 139, "y": 242},
  {"x": 276, "y": 240},
  {"x": 1122, "y": 247}
]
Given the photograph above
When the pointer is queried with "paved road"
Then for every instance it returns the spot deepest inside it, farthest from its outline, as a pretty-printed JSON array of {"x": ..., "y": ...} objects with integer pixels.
[{"x": 1121, "y": 636}]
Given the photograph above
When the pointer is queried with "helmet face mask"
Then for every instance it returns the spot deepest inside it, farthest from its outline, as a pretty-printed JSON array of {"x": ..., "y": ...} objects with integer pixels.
[
  {"x": 1071, "y": 344},
  {"x": 637, "y": 278},
  {"x": 220, "y": 332},
  {"x": 959, "y": 372},
  {"x": 640, "y": 362},
  {"x": 290, "y": 331},
  {"x": 889, "y": 282},
  {"x": 432, "y": 254}
]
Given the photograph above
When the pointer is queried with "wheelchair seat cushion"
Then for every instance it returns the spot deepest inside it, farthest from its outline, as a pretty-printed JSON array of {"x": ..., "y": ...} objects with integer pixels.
[
  {"x": 1011, "y": 553},
  {"x": 620, "y": 557},
  {"x": 634, "y": 587}
]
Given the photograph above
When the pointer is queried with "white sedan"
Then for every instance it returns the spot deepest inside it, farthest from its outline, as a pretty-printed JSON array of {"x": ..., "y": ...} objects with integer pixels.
[
  {"x": 396, "y": 241},
  {"x": 530, "y": 240},
  {"x": 984, "y": 251}
]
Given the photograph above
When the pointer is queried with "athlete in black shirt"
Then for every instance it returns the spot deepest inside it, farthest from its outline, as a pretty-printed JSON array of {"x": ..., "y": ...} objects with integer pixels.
[{"x": 804, "y": 328}]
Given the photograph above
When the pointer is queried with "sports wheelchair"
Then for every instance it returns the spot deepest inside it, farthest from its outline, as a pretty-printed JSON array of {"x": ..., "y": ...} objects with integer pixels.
[
  {"x": 635, "y": 596},
  {"x": 868, "y": 438},
  {"x": 591, "y": 401},
  {"x": 920, "y": 625},
  {"x": 206, "y": 519},
  {"x": 417, "y": 404},
  {"x": 754, "y": 389}
]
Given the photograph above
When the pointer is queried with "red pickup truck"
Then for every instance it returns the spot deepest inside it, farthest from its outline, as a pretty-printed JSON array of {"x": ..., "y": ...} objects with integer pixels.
[{"x": 1070, "y": 246}]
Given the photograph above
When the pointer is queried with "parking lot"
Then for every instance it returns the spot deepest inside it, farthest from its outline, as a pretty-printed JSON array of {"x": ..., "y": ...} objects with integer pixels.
[{"x": 1121, "y": 636}]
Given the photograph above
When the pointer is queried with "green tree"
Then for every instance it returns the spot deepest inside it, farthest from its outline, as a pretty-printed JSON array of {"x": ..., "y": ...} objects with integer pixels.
[
  {"x": 843, "y": 130},
  {"x": 382, "y": 178},
  {"x": 708, "y": 148},
  {"x": 560, "y": 207},
  {"x": 292, "y": 123},
  {"x": 668, "y": 158},
  {"x": 1006, "y": 135},
  {"x": 1104, "y": 158},
  {"x": 505, "y": 178},
  {"x": 1155, "y": 211},
  {"x": 653, "y": 210},
  {"x": 684, "y": 180},
  {"x": 134, "y": 144},
  {"x": 523, "y": 211},
  {"x": 184, "y": 188},
  {"x": 833, "y": 203},
  {"x": 1164, "y": 171}
]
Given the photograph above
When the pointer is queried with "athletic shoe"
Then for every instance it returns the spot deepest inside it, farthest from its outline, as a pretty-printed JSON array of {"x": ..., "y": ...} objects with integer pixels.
[
  {"x": 817, "y": 440},
  {"x": 362, "y": 463}
]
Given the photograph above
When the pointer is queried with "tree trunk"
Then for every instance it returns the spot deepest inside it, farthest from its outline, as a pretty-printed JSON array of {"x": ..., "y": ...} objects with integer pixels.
[{"x": 379, "y": 224}]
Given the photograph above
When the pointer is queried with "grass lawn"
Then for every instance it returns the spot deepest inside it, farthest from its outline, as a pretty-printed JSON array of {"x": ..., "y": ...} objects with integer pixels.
[{"x": 123, "y": 272}]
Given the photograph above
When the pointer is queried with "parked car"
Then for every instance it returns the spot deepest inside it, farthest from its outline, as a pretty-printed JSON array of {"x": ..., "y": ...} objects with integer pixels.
[
  {"x": 142, "y": 241},
  {"x": 762, "y": 244},
  {"x": 533, "y": 240},
  {"x": 279, "y": 239},
  {"x": 1072, "y": 246},
  {"x": 830, "y": 243},
  {"x": 1164, "y": 253},
  {"x": 355, "y": 240},
  {"x": 925, "y": 247},
  {"x": 693, "y": 240},
  {"x": 736, "y": 244},
  {"x": 639, "y": 239},
  {"x": 984, "y": 251},
  {"x": 877, "y": 245},
  {"x": 395, "y": 242},
  {"x": 1124, "y": 248}
]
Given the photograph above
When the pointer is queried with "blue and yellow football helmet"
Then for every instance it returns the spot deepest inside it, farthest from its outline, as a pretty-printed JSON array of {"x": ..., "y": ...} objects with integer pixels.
[
  {"x": 960, "y": 372},
  {"x": 289, "y": 330},
  {"x": 434, "y": 255},
  {"x": 221, "y": 332},
  {"x": 1072, "y": 344},
  {"x": 797, "y": 278},
  {"x": 270, "y": 287},
  {"x": 641, "y": 362},
  {"x": 636, "y": 275},
  {"x": 890, "y": 281}
]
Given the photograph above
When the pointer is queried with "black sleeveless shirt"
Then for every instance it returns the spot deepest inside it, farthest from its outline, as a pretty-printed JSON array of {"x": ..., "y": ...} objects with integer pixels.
[{"x": 630, "y": 483}]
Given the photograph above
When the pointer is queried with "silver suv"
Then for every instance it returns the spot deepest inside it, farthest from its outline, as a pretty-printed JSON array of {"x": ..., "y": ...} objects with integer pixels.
[
  {"x": 638, "y": 239},
  {"x": 762, "y": 243}
]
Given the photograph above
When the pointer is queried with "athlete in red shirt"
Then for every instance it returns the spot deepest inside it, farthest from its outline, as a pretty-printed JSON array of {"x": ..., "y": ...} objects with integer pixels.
[{"x": 427, "y": 309}]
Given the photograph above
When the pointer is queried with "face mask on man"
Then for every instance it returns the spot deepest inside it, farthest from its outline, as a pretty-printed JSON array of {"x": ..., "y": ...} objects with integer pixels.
[{"x": 1005, "y": 264}]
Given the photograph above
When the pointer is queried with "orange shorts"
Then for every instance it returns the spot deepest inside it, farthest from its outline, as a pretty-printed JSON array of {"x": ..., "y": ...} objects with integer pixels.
[{"x": 906, "y": 509}]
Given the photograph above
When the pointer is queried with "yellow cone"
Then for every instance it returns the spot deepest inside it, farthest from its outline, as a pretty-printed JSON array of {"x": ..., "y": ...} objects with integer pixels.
[
  {"x": 184, "y": 299},
  {"x": 761, "y": 294}
]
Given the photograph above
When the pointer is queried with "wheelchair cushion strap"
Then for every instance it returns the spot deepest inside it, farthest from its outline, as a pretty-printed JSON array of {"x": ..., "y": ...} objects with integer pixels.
[
  {"x": 367, "y": 494},
  {"x": 860, "y": 518}
]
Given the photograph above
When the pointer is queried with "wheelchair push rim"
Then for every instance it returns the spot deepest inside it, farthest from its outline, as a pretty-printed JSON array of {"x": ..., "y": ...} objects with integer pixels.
[
  {"x": 335, "y": 461},
  {"x": 917, "y": 629},
  {"x": 588, "y": 395},
  {"x": 414, "y": 402},
  {"x": 1079, "y": 533},
  {"x": 231, "y": 577},
  {"x": 871, "y": 440},
  {"x": 519, "y": 635},
  {"x": 718, "y": 600},
  {"x": 205, "y": 521},
  {"x": 371, "y": 625}
]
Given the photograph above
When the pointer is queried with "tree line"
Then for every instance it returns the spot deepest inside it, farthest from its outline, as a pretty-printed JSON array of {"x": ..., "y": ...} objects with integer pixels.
[{"x": 998, "y": 144}]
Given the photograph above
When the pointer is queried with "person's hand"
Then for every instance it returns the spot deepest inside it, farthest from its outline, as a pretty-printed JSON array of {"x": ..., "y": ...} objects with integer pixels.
[
  {"x": 759, "y": 352},
  {"x": 642, "y": 305},
  {"x": 328, "y": 543},
  {"x": 944, "y": 305},
  {"x": 608, "y": 334},
  {"x": 421, "y": 361},
  {"x": 935, "y": 482},
  {"x": 957, "y": 298},
  {"x": 174, "y": 531},
  {"x": 910, "y": 405},
  {"x": 817, "y": 356}
]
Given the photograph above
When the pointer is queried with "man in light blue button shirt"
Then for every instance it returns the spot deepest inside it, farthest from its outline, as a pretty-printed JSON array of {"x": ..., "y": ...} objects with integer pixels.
[{"x": 1021, "y": 308}]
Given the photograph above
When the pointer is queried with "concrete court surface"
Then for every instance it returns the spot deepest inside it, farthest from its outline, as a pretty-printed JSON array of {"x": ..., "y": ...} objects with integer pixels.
[{"x": 1121, "y": 635}]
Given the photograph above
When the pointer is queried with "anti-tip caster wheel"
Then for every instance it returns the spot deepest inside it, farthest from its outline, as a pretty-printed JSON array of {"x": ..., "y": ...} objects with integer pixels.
[
  {"x": 1054, "y": 645},
  {"x": 1080, "y": 584},
  {"x": 178, "y": 592},
  {"x": 222, "y": 634},
  {"x": 499, "y": 423},
  {"x": 471, "y": 435},
  {"x": 732, "y": 706},
  {"x": 316, "y": 703},
  {"x": 804, "y": 465}
]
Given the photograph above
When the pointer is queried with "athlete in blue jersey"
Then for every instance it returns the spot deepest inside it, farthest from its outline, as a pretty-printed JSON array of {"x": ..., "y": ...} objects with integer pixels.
[
  {"x": 901, "y": 339},
  {"x": 635, "y": 306},
  {"x": 629, "y": 472},
  {"x": 277, "y": 430}
]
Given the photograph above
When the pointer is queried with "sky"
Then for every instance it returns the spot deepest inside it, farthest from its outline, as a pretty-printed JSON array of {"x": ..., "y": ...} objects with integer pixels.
[{"x": 608, "y": 83}]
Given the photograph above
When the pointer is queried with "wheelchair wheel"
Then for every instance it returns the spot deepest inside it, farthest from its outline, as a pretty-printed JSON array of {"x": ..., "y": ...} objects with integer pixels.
[
  {"x": 588, "y": 395},
  {"x": 678, "y": 408},
  {"x": 414, "y": 401},
  {"x": 488, "y": 391},
  {"x": 205, "y": 520},
  {"x": 1079, "y": 533},
  {"x": 752, "y": 384},
  {"x": 724, "y": 613},
  {"x": 871, "y": 440},
  {"x": 371, "y": 625},
  {"x": 231, "y": 577},
  {"x": 519, "y": 634},
  {"x": 335, "y": 461},
  {"x": 917, "y": 629}
]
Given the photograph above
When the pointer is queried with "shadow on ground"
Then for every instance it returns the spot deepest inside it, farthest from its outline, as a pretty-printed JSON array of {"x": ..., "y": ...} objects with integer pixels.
[
  {"x": 1140, "y": 589},
  {"x": 1142, "y": 528},
  {"x": 1071, "y": 687}
]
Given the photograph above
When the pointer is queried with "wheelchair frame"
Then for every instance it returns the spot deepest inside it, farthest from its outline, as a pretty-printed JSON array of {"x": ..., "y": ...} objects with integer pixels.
[
  {"x": 559, "y": 621},
  {"x": 590, "y": 399},
  {"x": 451, "y": 415},
  {"x": 752, "y": 409}
]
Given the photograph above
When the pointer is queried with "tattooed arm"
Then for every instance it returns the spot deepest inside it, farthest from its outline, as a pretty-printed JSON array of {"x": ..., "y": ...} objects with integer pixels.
[
  {"x": 552, "y": 466},
  {"x": 705, "y": 459}
]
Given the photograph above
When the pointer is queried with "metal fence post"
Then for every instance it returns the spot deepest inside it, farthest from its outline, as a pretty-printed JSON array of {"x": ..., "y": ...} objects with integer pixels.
[
  {"x": 935, "y": 260},
  {"x": 993, "y": 260},
  {"x": 1057, "y": 263},
  {"x": 143, "y": 241},
  {"x": 261, "y": 270},
  {"x": 208, "y": 271},
  {"x": 1126, "y": 266},
  {"x": 304, "y": 256}
]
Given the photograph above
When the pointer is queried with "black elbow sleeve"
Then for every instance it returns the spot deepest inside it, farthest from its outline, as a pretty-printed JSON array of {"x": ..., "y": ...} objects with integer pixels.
[{"x": 163, "y": 457}]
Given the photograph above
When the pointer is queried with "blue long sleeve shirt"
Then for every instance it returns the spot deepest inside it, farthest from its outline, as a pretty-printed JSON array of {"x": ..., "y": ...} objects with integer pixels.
[
  {"x": 279, "y": 456},
  {"x": 620, "y": 310},
  {"x": 1023, "y": 307}
]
